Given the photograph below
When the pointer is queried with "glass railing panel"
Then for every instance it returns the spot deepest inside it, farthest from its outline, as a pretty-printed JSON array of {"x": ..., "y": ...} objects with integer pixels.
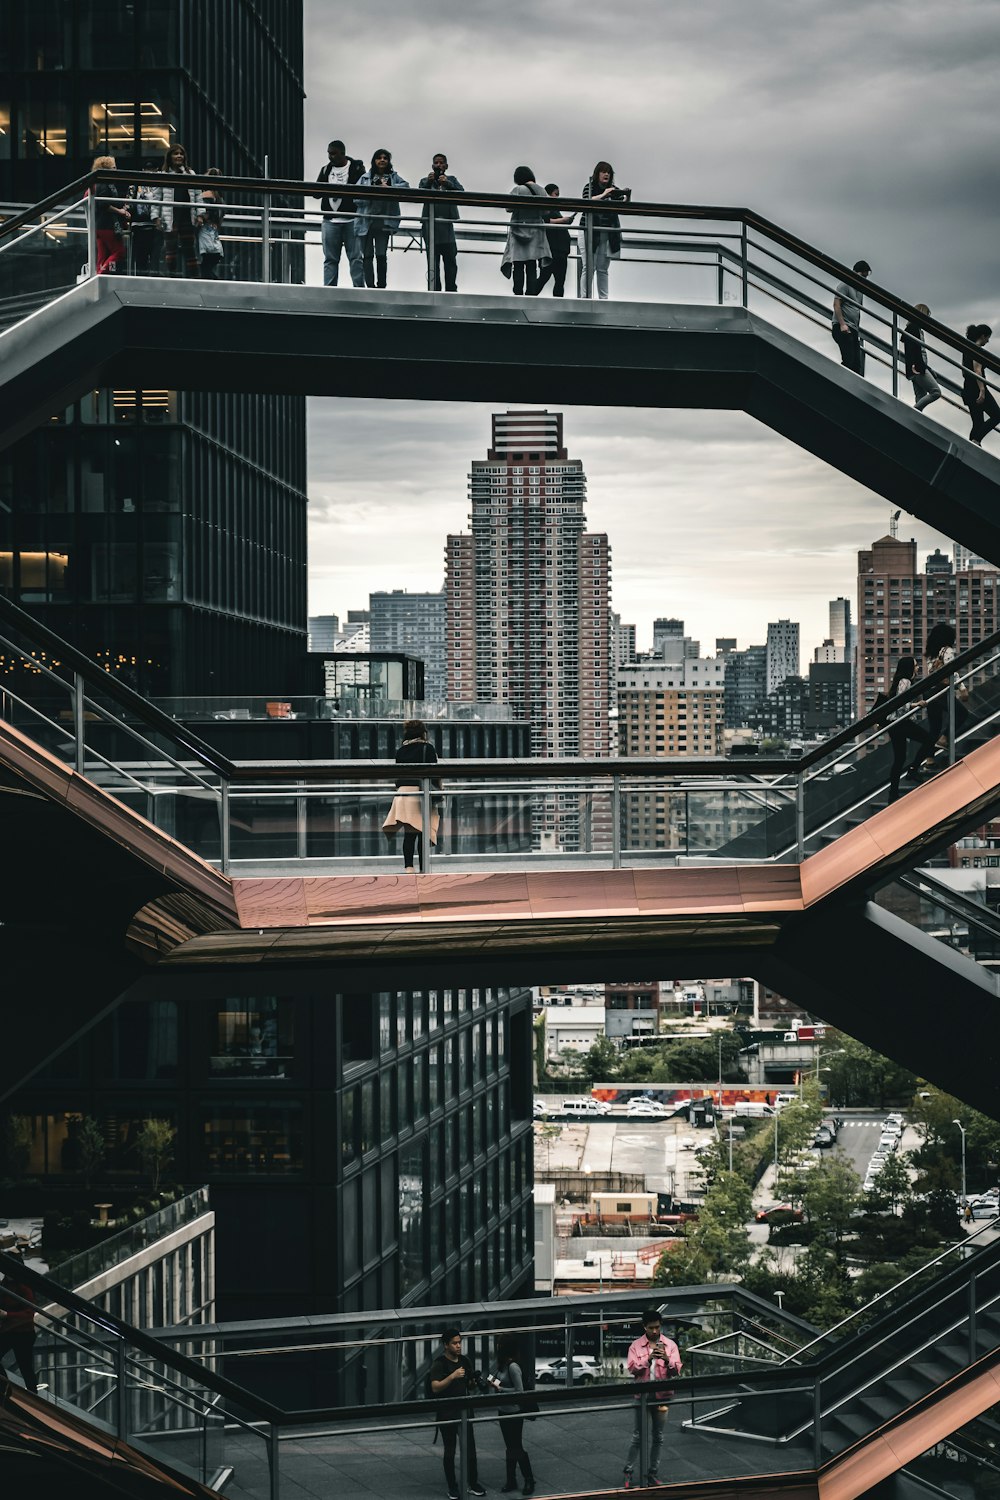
[
  {"x": 951, "y": 917},
  {"x": 43, "y": 258}
]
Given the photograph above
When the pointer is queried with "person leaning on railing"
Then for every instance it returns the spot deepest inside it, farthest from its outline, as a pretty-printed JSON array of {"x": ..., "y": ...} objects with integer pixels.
[
  {"x": 406, "y": 812},
  {"x": 527, "y": 245}
]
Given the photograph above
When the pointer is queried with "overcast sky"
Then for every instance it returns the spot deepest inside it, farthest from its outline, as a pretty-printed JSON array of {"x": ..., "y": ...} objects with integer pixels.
[{"x": 865, "y": 127}]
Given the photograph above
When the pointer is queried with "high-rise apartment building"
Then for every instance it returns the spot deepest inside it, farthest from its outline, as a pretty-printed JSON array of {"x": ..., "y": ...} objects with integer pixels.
[
  {"x": 622, "y": 641},
  {"x": 670, "y": 642},
  {"x": 163, "y": 532},
  {"x": 745, "y": 684},
  {"x": 897, "y": 606},
  {"x": 416, "y": 624},
  {"x": 674, "y": 710},
  {"x": 782, "y": 652},
  {"x": 528, "y": 591}
]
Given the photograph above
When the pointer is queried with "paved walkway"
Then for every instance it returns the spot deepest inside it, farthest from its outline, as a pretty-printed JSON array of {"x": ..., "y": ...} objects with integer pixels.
[{"x": 569, "y": 1454}]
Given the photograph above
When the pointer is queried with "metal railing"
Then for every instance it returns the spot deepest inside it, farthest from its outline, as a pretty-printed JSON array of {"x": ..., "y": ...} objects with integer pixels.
[
  {"x": 328, "y": 814},
  {"x": 744, "y": 257},
  {"x": 74, "y": 1270},
  {"x": 186, "y": 1413}
]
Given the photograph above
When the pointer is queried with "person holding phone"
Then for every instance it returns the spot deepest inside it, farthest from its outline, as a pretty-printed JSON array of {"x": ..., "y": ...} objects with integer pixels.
[
  {"x": 445, "y": 257},
  {"x": 450, "y": 1380},
  {"x": 606, "y": 231},
  {"x": 652, "y": 1357}
]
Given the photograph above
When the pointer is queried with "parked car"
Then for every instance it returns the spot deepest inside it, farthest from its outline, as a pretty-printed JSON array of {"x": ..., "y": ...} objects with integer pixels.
[
  {"x": 824, "y": 1138},
  {"x": 779, "y": 1213},
  {"x": 539, "y": 1110},
  {"x": 646, "y": 1109},
  {"x": 584, "y": 1370}
]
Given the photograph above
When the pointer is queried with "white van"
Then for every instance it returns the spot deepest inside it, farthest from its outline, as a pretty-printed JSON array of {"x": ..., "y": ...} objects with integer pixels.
[
  {"x": 752, "y": 1110},
  {"x": 591, "y": 1109},
  {"x": 780, "y": 1100}
]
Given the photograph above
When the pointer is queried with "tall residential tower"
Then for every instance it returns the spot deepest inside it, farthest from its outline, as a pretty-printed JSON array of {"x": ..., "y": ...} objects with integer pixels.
[{"x": 529, "y": 621}]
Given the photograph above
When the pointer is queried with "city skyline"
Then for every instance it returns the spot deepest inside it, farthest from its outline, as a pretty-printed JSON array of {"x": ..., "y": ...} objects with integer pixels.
[{"x": 753, "y": 111}]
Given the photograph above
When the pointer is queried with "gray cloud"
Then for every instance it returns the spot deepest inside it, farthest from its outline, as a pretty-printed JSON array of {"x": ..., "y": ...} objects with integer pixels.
[{"x": 862, "y": 127}]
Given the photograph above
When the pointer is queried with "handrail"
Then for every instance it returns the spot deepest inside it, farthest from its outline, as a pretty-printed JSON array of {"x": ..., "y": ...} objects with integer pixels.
[
  {"x": 956, "y": 902},
  {"x": 629, "y": 209},
  {"x": 960, "y": 1247},
  {"x": 180, "y": 1363},
  {"x": 113, "y": 687}
]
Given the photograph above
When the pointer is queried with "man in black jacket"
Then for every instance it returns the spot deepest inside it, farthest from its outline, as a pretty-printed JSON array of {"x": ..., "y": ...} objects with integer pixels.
[{"x": 338, "y": 216}]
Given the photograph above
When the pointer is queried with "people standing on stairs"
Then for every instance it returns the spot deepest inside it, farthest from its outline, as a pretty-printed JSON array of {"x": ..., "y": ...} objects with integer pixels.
[
  {"x": 377, "y": 222},
  {"x": 512, "y": 1423},
  {"x": 976, "y": 394},
  {"x": 925, "y": 387},
  {"x": 527, "y": 245},
  {"x": 406, "y": 813},
  {"x": 940, "y": 652},
  {"x": 901, "y": 730},
  {"x": 846, "y": 326},
  {"x": 651, "y": 1358}
]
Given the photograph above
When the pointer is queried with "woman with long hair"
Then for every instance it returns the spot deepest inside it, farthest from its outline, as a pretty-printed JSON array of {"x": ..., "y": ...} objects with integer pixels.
[
  {"x": 605, "y": 224},
  {"x": 905, "y": 729},
  {"x": 976, "y": 394},
  {"x": 940, "y": 652},
  {"x": 406, "y": 812},
  {"x": 111, "y": 217},
  {"x": 177, "y": 212},
  {"x": 512, "y": 1425}
]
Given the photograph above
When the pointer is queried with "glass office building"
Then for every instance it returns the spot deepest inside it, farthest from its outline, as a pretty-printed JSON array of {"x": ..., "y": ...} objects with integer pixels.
[
  {"x": 363, "y": 1151},
  {"x": 162, "y": 532}
]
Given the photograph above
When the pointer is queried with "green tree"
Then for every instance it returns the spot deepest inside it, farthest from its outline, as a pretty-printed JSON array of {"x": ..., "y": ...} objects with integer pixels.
[
  {"x": 721, "y": 1231},
  {"x": 638, "y": 1064},
  {"x": 683, "y": 1263},
  {"x": 892, "y": 1187},
  {"x": 857, "y": 1076},
  {"x": 821, "y": 1289},
  {"x": 155, "y": 1145},
  {"x": 831, "y": 1195},
  {"x": 600, "y": 1063},
  {"x": 90, "y": 1142},
  {"x": 938, "y": 1159}
]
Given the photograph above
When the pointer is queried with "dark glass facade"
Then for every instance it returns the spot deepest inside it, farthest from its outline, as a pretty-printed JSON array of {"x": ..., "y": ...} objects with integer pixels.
[
  {"x": 363, "y": 1151},
  {"x": 164, "y": 533}
]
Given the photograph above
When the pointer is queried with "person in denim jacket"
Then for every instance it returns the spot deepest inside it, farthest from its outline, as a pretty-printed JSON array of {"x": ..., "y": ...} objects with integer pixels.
[{"x": 377, "y": 222}]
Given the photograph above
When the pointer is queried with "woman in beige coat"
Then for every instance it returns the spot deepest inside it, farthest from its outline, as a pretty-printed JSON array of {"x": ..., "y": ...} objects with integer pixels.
[{"x": 406, "y": 812}]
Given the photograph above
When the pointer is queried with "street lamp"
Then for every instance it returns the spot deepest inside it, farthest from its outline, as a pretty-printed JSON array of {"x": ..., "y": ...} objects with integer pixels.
[{"x": 962, "y": 1129}]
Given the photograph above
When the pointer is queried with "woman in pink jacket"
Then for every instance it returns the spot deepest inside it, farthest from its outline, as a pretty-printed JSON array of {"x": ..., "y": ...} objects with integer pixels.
[{"x": 651, "y": 1358}]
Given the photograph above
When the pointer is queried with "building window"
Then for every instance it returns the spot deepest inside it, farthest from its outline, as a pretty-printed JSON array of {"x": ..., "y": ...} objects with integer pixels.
[
  {"x": 254, "y": 1138},
  {"x": 253, "y": 1038}
]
